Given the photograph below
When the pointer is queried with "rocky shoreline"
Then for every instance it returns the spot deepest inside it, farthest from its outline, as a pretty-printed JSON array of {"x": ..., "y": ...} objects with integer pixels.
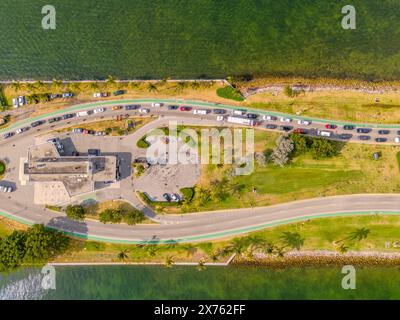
[{"x": 322, "y": 258}]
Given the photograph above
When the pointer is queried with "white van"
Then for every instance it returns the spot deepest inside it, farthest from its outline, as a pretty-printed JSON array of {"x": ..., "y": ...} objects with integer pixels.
[
  {"x": 283, "y": 119},
  {"x": 82, "y": 113},
  {"x": 325, "y": 133},
  {"x": 239, "y": 112},
  {"x": 156, "y": 104},
  {"x": 304, "y": 122},
  {"x": 269, "y": 118},
  {"x": 397, "y": 139}
]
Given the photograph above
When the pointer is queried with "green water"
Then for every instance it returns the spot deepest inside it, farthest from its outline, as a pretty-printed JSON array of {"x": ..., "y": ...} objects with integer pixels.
[{"x": 145, "y": 282}]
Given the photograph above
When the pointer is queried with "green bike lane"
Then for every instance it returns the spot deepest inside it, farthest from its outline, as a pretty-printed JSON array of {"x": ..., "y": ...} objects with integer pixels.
[
  {"x": 193, "y": 103},
  {"x": 209, "y": 236}
]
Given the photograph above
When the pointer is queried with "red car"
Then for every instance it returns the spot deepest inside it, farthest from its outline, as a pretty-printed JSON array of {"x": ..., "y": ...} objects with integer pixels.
[
  {"x": 185, "y": 108},
  {"x": 301, "y": 131},
  {"x": 330, "y": 126}
]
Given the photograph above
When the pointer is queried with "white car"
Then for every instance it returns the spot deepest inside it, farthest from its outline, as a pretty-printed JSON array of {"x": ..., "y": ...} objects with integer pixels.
[
  {"x": 397, "y": 139},
  {"x": 304, "y": 122},
  {"x": 99, "y": 110},
  {"x": 156, "y": 104},
  {"x": 283, "y": 119},
  {"x": 144, "y": 110},
  {"x": 269, "y": 118},
  {"x": 21, "y": 130},
  {"x": 100, "y": 95},
  {"x": 220, "y": 118}
]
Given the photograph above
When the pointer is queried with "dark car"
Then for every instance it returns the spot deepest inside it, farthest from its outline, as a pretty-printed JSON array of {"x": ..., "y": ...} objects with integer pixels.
[
  {"x": 252, "y": 116},
  {"x": 383, "y": 131},
  {"x": 380, "y": 139},
  {"x": 173, "y": 107},
  {"x": 364, "y": 138},
  {"x": 167, "y": 197},
  {"x": 37, "y": 123},
  {"x": 330, "y": 126},
  {"x": 219, "y": 111},
  {"x": 91, "y": 132},
  {"x": 348, "y": 127},
  {"x": 398, "y": 132},
  {"x": 285, "y": 128},
  {"x": 118, "y": 92},
  {"x": 55, "y": 119},
  {"x": 345, "y": 136},
  {"x": 271, "y": 126},
  {"x": 8, "y": 135},
  {"x": 301, "y": 131},
  {"x": 68, "y": 116},
  {"x": 364, "y": 130},
  {"x": 132, "y": 107}
]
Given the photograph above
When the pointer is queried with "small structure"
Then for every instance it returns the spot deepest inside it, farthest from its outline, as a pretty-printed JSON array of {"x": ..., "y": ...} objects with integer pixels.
[{"x": 376, "y": 155}]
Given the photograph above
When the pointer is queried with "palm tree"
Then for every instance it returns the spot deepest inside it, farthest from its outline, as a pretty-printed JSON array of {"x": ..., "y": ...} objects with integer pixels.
[
  {"x": 94, "y": 86},
  {"x": 169, "y": 261},
  {"x": 195, "y": 85},
  {"x": 359, "y": 234},
  {"x": 134, "y": 85},
  {"x": 39, "y": 85},
  {"x": 180, "y": 86},
  {"x": 16, "y": 86},
  {"x": 163, "y": 81},
  {"x": 151, "y": 249},
  {"x": 214, "y": 255},
  {"x": 57, "y": 84},
  {"x": 30, "y": 87},
  {"x": 238, "y": 246},
  {"x": 342, "y": 248},
  {"x": 122, "y": 255},
  {"x": 151, "y": 87},
  {"x": 202, "y": 265},
  {"x": 110, "y": 80},
  {"x": 74, "y": 86},
  {"x": 292, "y": 240},
  {"x": 268, "y": 247}
]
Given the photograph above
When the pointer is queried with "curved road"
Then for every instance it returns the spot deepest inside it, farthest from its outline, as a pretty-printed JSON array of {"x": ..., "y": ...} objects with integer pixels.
[{"x": 195, "y": 226}]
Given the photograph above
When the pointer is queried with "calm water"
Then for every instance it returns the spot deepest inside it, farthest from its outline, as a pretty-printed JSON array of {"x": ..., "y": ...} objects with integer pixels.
[{"x": 136, "y": 282}]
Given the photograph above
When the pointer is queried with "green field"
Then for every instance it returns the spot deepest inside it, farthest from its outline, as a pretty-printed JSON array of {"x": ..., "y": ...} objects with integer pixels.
[{"x": 203, "y": 38}]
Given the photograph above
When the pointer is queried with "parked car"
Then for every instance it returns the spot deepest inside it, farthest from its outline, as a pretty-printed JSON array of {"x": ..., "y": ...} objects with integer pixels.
[
  {"x": 100, "y": 133},
  {"x": 304, "y": 122},
  {"x": 144, "y": 110},
  {"x": 8, "y": 135},
  {"x": 175, "y": 197},
  {"x": 364, "y": 130},
  {"x": 348, "y": 127},
  {"x": 67, "y": 95},
  {"x": 132, "y": 107},
  {"x": 271, "y": 126},
  {"x": 173, "y": 107},
  {"x": 167, "y": 197},
  {"x": 114, "y": 108},
  {"x": 55, "y": 96},
  {"x": 118, "y": 92},
  {"x": 82, "y": 113},
  {"x": 100, "y": 95},
  {"x": 21, "y": 130},
  {"x": 77, "y": 130},
  {"x": 345, "y": 136},
  {"x": 398, "y": 132},
  {"x": 364, "y": 138},
  {"x": 285, "y": 128},
  {"x": 380, "y": 139},
  {"x": 185, "y": 108},
  {"x": 324, "y": 133},
  {"x": 330, "y": 126},
  {"x": 397, "y": 139},
  {"x": 269, "y": 118},
  {"x": 99, "y": 110},
  {"x": 68, "y": 116},
  {"x": 301, "y": 131},
  {"x": 218, "y": 111},
  {"x": 283, "y": 119},
  {"x": 157, "y": 104},
  {"x": 252, "y": 116},
  {"x": 37, "y": 123},
  {"x": 384, "y": 131},
  {"x": 55, "y": 119}
]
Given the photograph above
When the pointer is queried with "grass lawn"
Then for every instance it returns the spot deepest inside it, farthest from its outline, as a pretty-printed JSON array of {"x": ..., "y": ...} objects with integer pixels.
[
  {"x": 341, "y": 105},
  {"x": 352, "y": 171},
  {"x": 186, "y": 39}
]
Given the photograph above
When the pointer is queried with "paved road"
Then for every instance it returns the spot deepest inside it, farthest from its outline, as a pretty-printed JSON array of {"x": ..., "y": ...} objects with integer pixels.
[
  {"x": 208, "y": 225},
  {"x": 317, "y": 124}
]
